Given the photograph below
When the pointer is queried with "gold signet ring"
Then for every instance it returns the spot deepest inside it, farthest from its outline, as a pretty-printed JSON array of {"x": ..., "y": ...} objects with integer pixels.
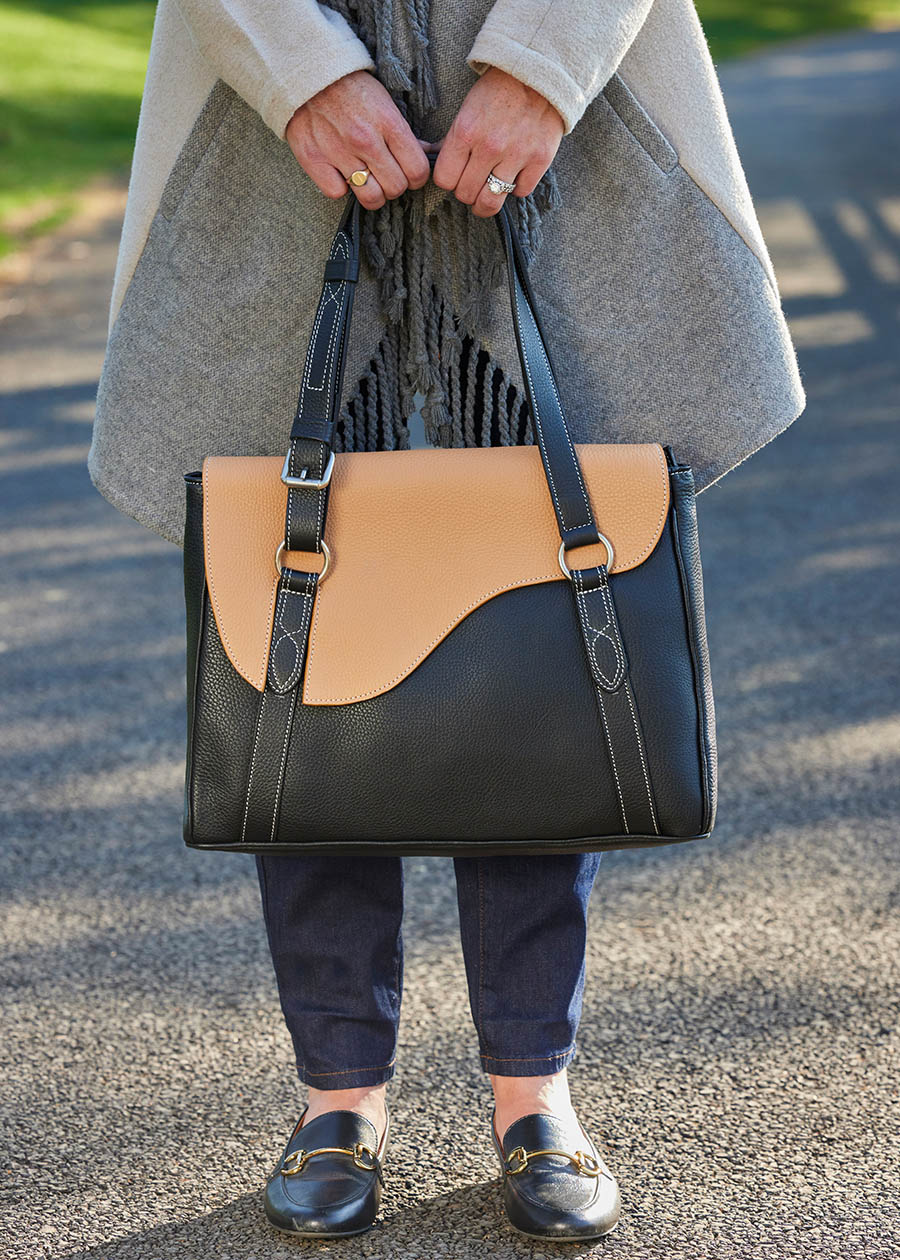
[{"x": 359, "y": 177}]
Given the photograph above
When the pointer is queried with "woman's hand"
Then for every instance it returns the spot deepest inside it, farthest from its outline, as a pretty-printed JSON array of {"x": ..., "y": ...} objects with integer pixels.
[
  {"x": 353, "y": 123},
  {"x": 502, "y": 126}
]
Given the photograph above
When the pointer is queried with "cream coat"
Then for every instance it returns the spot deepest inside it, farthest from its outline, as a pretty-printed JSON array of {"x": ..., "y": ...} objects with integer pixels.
[{"x": 653, "y": 275}]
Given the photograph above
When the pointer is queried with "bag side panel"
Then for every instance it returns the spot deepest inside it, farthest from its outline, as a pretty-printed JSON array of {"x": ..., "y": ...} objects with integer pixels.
[
  {"x": 194, "y": 604},
  {"x": 687, "y": 543}
]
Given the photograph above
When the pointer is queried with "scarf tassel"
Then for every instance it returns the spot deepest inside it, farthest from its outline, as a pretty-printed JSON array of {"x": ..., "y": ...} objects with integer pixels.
[{"x": 435, "y": 275}]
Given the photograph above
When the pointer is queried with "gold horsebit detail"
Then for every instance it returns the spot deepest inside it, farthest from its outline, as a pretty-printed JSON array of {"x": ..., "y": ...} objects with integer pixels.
[
  {"x": 296, "y": 1161},
  {"x": 584, "y": 1162}
]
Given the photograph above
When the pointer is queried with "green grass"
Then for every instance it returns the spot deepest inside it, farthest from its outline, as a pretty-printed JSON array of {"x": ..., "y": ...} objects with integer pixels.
[
  {"x": 71, "y": 76},
  {"x": 72, "y": 72},
  {"x": 737, "y": 26}
]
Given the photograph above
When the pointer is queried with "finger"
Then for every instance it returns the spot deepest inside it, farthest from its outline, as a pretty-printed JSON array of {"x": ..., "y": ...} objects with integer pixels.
[
  {"x": 327, "y": 178},
  {"x": 387, "y": 170},
  {"x": 530, "y": 176},
  {"x": 487, "y": 202},
  {"x": 451, "y": 161},
  {"x": 370, "y": 194},
  {"x": 408, "y": 153},
  {"x": 471, "y": 183}
]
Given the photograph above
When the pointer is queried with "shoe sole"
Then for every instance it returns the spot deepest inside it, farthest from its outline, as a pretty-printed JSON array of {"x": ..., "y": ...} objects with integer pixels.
[
  {"x": 315, "y": 1233},
  {"x": 562, "y": 1237}
]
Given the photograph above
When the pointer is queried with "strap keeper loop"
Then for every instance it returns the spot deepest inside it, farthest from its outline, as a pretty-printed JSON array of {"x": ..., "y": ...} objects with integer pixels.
[{"x": 342, "y": 269}]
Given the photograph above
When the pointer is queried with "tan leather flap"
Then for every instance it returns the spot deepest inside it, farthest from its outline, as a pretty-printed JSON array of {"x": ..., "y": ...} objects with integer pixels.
[{"x": 418, "y": 539}]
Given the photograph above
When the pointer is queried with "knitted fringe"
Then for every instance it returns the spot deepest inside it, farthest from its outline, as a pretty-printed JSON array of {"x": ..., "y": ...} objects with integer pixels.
[{"x": 435, "y": 274}]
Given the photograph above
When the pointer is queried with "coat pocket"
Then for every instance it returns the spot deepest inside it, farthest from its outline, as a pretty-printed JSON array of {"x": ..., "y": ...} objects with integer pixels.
[{"x": 635, "y": 118}]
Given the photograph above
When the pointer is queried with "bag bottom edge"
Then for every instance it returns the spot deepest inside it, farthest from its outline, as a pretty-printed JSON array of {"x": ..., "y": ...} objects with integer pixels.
[{"x": 445, "y": 848}]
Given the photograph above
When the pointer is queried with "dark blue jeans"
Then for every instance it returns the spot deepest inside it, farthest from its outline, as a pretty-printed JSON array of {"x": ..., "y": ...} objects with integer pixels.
[{"x": 334, "y": 929}]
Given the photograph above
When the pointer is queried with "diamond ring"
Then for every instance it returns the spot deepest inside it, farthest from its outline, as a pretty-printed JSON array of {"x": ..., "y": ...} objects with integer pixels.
[{"x": 498, "y": 185}]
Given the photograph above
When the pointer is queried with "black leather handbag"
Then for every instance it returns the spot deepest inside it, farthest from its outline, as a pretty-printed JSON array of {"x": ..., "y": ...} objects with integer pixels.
[{"x": 463, "y": 650}]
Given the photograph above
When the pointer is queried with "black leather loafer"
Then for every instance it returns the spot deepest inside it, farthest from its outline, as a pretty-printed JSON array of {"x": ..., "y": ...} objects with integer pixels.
[
  {"x": 549, "y": 1190},
  {"x": 328, "y": 1182}
]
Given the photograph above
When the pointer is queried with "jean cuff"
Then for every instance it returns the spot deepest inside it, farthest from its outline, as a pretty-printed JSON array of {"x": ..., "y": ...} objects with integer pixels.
[
  {"x": 543, "y": 1065},
  {"x": 349, "y": 1078}
]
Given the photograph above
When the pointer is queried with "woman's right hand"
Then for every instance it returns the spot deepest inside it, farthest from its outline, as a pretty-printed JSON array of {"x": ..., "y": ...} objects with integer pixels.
[{"x": 354, "y": 123}]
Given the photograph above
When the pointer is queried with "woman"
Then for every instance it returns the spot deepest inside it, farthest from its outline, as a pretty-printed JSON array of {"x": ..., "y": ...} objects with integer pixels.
[{"x": 605, "y": 125}]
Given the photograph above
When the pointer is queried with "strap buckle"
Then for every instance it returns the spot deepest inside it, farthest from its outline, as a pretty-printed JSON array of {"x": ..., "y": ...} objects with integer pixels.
[{"x": 304, "y": 480}]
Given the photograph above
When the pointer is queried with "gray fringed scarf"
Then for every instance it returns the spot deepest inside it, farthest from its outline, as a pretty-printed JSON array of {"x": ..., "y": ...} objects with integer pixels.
[{"x": 434, "y": 270}]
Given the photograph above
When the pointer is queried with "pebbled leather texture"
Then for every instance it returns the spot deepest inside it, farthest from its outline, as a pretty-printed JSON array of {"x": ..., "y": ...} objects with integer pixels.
[
  {"x": 548, "y": 714},
  {"x": 551, "y": 1198},
  {"x": 278, "y": 705},
  {"x": 290, "y": 630},
  {"x": 320, "y": 389},
  {"x": 331, "y": 1197},
  {"x": 615, "y": 699},
  {"x": 195, "y": 600},
  {"x": 494, "y": 744},
  {"x": 418, "y": 539},
  {"x": 600, "y": 627}
]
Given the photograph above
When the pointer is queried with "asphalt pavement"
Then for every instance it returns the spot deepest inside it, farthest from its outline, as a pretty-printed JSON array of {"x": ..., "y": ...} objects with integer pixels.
[{"x": 738, "y": 1052}]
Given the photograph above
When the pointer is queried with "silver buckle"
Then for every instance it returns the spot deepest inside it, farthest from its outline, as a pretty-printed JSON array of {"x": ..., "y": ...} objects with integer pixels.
[{"x": 307, "y": 482}]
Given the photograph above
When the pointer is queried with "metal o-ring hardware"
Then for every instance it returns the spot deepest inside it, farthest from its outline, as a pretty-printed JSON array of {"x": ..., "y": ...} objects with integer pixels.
[
  {"x": 601, "y": 538},
  {"x": 325, "y": 552}
]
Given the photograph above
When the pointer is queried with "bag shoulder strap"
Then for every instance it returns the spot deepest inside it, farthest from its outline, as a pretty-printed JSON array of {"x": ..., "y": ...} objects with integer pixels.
[{"x": 309, "y": 460}]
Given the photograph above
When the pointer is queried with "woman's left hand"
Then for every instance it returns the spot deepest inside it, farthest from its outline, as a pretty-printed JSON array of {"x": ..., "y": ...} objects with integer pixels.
[{"x": 502, "y": 126}]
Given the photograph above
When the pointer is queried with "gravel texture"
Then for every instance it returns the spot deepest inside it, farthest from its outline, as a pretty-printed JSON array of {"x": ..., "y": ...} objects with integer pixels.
[{"x": 738, "y": 1049}]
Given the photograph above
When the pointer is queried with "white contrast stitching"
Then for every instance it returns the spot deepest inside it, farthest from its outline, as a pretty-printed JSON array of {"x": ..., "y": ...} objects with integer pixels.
[
  {"x": 542, "y": 348},
  {"x": 285, "y": 633},
  {"x": 612, "y": 683},
  {"x": 257, "y": 678},
  {"x": 640, "y": 744},
  {"x": 293, "y": 635},
  {"x": 330, "y": 294},
  {"x": 220, "y": 622},
  {"x": 537, "y": 418},
  {"x": 578, "y": 577},
  {"x": 611, "y": 623},
  {"x": 253, "y": 764},
  {"x": 280, "y": 783},
  {"x": 320, "y": 496},
  {"x": 612, "y": 759}
]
